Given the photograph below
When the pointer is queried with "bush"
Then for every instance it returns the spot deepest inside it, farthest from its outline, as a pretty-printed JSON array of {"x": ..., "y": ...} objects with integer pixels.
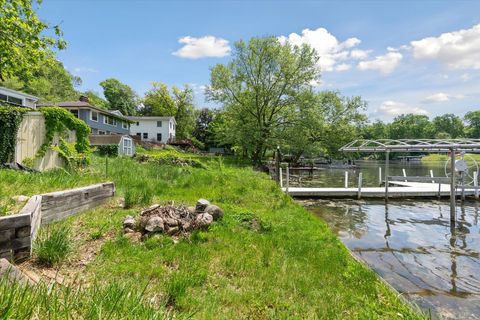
[
  {"x": 109, "y": 150},
  {"x": 138, "y": 196},
  {"x": 53, "y": 245}
]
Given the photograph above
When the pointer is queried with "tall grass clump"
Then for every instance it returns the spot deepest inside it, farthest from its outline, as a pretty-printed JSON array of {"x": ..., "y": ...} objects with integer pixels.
[{"x": 53, "y": 245}]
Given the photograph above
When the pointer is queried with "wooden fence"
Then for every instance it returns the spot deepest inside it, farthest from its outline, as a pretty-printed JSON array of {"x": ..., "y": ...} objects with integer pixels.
[{"x": 31, "y": 136}]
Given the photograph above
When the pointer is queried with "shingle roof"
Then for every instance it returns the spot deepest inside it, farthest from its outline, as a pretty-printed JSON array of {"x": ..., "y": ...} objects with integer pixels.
[{"x": 99, "y": 140}]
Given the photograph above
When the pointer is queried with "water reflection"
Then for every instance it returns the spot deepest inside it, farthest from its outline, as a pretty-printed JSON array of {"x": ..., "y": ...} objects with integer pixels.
[{"x": 414, "y": 247}]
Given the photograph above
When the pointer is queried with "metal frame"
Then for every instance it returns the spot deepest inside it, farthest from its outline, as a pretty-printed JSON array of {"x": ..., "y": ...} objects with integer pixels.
[
  {"x": 417, "y": 145},
  {"x": 412, "y": 145}
]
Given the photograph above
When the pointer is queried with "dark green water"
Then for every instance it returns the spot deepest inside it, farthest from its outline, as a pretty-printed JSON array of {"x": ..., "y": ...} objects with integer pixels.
[{"x": 411, "y": 243}]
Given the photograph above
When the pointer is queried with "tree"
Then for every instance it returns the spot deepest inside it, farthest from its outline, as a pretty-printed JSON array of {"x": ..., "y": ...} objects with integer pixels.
[
  {"x": 161, "y": 101},
  {"x": 50, "y": 82},
  {"x": 472, "y": 129},
  {"x": 410, "y": 126},
  {"x": 22, "y": 46},
  {"x": 448, "y": 126},
  {"x": 95, "y": 99},
  {"x": 120, "y": 96},
  {"x": 203, "y": 130},
  {"x": 258, "y": 89}
]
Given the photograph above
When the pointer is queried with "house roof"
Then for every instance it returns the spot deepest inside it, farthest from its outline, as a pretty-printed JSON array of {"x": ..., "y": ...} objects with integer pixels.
[
  {"x": 106, "y": 139},
  {"x": 85, "y": 105},
  {"x": 133, "y": 118},
  {"x": 29, "y": 96}
]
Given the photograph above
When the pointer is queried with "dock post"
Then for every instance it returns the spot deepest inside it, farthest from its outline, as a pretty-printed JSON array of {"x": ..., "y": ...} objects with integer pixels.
[
  {"x": 404, "y": 174},
  {"x": 387, "y": 160},
  {"x": 379, "y": 176},
  {"x": 281, "y": 177},
  {"x": 277, "y": 165},
  {"x": 346, "y": 179},
  {"x": 360, "y": 177},
  {"x": 475, "y": 183},
  {"x": 431, "y": 175},
  {"x": 452, "y": 187},
  {"x": 288, "y": 176}
]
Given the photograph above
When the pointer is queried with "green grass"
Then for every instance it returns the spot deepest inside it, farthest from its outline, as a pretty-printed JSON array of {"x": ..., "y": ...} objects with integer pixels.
[
  {"x": 444, "y": 157},
  {"x": 53, "y": 245},
  {"x": 269, "y": 258}
]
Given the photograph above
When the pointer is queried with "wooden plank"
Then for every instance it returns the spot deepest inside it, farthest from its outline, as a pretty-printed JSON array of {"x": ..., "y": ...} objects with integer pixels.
[
  {"x": 74, "y": 204},
  {"x": 15, "y": 221},
  {"x": 12, "y": 273},
  {"x": 6, "y": 235},
  {"x": 15, "y": 244},
  {"x": 107, "y": 185},
  {"x": 36, "y": 218},
  {"x": 48, "y": 217}
]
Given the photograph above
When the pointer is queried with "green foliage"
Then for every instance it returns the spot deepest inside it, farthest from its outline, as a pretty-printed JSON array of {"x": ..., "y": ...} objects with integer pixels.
[
  {"x": 10, "y": 119},
  {"x": 53, "y": 245},
  {"x": 110, "y": 150},
  {"x": 176, "y": 102},
  {"x": 472, "y": 119},
  {"x": 259, "y": 89},
  {"x": 58, "y": 121},
  {"x": 120, "y": 96},
  {"x": 68, "y": 152},
  {"x": 95, "y": 100},
  {"x": 138, "y": 195},
  {"x": 23, "y": 45}
]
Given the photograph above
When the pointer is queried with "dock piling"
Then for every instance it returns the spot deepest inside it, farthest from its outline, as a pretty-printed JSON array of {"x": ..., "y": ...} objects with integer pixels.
[
  {"x": 346, "y": 179},
  {"x": 475, "y": 183},
  {"x": 360, "y": 177}
]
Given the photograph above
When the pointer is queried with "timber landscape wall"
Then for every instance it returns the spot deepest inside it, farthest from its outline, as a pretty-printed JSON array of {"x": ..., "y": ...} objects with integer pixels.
[{"x": 18, "y": 231}]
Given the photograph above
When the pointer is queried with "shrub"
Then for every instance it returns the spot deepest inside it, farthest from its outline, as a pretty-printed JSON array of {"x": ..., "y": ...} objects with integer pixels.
[
  {"x": 138, "y": 196},
  {"x": 53, "y": 245},
  {"x": 109, "y": 150}
]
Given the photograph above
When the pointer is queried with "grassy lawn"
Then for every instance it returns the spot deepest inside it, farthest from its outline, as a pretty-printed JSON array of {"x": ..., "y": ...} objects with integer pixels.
[
  {"x": 444, "y": 157},
  {"x": 268, "y": 258}
]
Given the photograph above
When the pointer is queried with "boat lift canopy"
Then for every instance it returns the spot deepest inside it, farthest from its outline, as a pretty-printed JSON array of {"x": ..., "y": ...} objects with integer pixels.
[
  {"x": 412, "y": 145},
  {"x": 417, "y": 145}
]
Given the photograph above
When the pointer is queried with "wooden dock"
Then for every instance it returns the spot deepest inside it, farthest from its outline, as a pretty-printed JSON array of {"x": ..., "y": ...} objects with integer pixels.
[{"x": 400, "y": 189}]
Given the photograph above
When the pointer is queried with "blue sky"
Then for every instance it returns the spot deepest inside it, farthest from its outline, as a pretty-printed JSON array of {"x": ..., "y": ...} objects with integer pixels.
[{"x": 405, "y": 56}]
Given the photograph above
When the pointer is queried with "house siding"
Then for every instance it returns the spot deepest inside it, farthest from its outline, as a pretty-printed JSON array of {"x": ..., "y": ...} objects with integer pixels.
[
  {"x": 149, "y": 126},
  {"x": 100, "y": 125}
]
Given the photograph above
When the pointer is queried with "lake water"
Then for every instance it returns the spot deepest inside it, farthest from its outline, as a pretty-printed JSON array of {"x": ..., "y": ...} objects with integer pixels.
[{"x": 410, "y": 243}]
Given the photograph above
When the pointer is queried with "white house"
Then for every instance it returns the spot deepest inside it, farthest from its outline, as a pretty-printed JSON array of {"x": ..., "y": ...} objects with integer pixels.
[
  {"x": 157, "y": 129},
  {"x": 17, "y": 98}
]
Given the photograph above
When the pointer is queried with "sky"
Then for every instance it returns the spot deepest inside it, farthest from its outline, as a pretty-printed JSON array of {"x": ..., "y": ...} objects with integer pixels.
[{"x": 406, "y": 56}]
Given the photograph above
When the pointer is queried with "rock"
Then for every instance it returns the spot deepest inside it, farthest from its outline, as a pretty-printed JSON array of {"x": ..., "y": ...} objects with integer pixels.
[
  {"x": 128, "y": 230},
  {"x": 191, "y": 210},
  {"x": 171, "y": 222},
  {"x": 155, "y": 224},
  {"x": 203, "y": 220},
  {"x": 20, "y": 198},
  {"x": 172, "y": 231},
  {"x": 153, "y": 207},
  {"x": 129, "y": 222},
  {"x": 201, "y": 205},
  {"x": 215, "y": 211}
]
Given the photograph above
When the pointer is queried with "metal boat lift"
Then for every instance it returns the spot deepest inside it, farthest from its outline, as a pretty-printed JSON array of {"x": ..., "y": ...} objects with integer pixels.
[{"x": 451, "y": 146}]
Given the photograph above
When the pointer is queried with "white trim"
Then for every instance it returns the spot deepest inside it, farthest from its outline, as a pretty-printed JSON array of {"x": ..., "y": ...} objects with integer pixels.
[
  {"x": 91, "y": 115},
  {"x": 105, "y": 121}
]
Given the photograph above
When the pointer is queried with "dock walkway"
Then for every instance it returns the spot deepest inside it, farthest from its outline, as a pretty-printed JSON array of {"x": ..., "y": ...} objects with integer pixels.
[{"x": 400, "y": 190}]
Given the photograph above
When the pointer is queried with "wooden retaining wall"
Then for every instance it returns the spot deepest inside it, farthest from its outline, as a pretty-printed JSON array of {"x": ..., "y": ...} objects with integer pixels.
[{"x": 18, "y": 231}]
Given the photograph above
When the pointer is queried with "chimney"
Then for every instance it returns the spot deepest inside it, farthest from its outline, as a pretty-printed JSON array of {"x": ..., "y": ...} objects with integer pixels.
[{"x": 83, "y": 99}]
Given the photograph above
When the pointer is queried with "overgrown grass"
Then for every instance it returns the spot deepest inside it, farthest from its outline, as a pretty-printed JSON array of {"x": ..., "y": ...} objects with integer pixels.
[
  {"x": 444, "y": 157},
  {"x": 53, "y": 245},
  {"x": 268, "y": 257}
]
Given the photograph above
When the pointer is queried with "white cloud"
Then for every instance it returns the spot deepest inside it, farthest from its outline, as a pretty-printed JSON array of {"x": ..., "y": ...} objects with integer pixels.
[
  {"x": 457, "y": 50},
  {"x": 359, "y": 54},
  {"x": 465, "y": 77},
  {"x": 393, "y": 108},
  {"x": 343, "y": 67},
  {"x": 84, "y": 70},
  {"x": 330, "y": 50},
  {"x": 204, "y": 47},
  {"x": 385, "y": 64},
  {"x": 442, "y": 97},
  {"x": 436, "y": 97}
]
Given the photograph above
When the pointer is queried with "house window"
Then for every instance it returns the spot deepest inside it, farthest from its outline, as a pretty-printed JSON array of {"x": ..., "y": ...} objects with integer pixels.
[
  {"x": 94, "y": 116},
  {"x": 159, "y": 137},
  {"x": 127, "y": 146},
  {"x": 11, "y": 100},
  {"x": 109, "y": 120},
  {"x": 139, "y": 134},
  {"x": 124, "y": 125},
  {"x": 145, "y": 135},
  {"x": 159, "y": 124},
  {"x": 170, "y": 125},
  {"x": 101, "y": 132},
  {"x": 75, "y": 113},
  {"x": 138, "y": 123}
]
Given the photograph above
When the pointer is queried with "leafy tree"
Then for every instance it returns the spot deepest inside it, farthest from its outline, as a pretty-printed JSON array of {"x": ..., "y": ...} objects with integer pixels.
[
  {"x": 120, "y": 96},
  {"x": 410, "y": 126},
  {"x": 448, "y": 126},
  {"x": 472, "y": 119},
  {"x": 258, "y": 90},
  {"x": 375, "y": 130},
  {"x": 95, "y": 99},
  {"x": 23, "y": 47},
  {"x": 203, "y": 131},
  {"x": 161, "y": 101}
]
